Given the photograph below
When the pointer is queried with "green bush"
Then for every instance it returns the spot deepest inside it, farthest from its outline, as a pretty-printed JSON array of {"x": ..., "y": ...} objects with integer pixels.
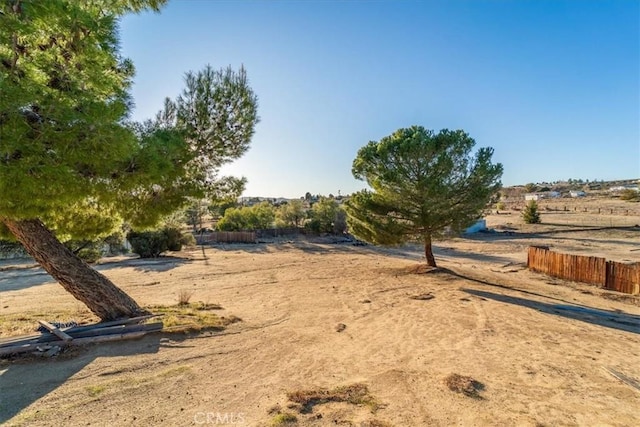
[
  {"x": 530, "y": 213},
  {"x": 326, "y": 216},
  {"x": 256, "y": 217},
  {"x": 148, "y": 244},
  {"x": 87, "y": 250},
  {"x": 117, "y": 243},
  {"x": 174, "y": 238},
  {"x": 90, "y": 255},
  {"x": 314, "y": 225},
  {"x": 188, "y": 239}
]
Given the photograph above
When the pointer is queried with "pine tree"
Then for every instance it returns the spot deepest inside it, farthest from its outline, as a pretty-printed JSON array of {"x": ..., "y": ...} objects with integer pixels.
[
  {"x": 71, "y": 165},
  {"x": 530, "y": 213},
  {"x": 423, "y": 183}
]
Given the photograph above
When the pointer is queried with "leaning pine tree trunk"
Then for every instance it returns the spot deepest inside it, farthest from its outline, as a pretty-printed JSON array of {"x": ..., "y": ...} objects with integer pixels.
[{"x": 103, "y": 298}]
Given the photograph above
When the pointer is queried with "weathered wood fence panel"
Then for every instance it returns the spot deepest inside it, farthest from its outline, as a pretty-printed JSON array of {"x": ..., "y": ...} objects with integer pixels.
[
  {"x": 594, "y": 270},
  {"x": 228, "y": 237},
  {"x": 570, "y": 267},
  {"x": 623, "y": 277}
]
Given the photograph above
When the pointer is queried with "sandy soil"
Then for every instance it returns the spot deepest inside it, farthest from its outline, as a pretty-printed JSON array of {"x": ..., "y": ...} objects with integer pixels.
[{"x": 539, "y": 359}]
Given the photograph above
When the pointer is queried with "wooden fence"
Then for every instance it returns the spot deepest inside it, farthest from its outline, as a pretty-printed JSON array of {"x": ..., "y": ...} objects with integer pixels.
[
  {"x": 278, "y": 232},
  {"x": 594, "y": 270},
  {"x": 623, "y": 277},
  {"x": 227, "y": 237}
]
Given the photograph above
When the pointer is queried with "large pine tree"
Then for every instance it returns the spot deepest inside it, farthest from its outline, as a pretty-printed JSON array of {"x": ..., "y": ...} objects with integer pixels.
[
  {"x": 423, "y": 183},
  {"x": 72, "y": 165}
]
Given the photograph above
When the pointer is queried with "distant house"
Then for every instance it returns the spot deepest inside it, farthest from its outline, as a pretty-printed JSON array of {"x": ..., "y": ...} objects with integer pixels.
[
  {"x": 533, "y": 196},
  {"x": 577, "y": 193},
  {"x": 623, "y": 188}
]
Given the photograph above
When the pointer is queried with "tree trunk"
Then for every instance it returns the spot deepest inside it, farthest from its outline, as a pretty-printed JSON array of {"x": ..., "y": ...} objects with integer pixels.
[
  {"x": 428, "y": 253},
  {"x": 103, "y": 298}
]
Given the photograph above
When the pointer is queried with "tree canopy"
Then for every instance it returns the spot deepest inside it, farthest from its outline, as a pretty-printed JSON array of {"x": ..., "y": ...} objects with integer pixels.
[
  {"x": 254, "y": 217},
  {"x": 326, "y": 216},
  {"x": 422, "y": 183},
  {"x": 291, "y": 214},
  {"x": 72, "y": 162},
  {"x": 68, "y": 154}
]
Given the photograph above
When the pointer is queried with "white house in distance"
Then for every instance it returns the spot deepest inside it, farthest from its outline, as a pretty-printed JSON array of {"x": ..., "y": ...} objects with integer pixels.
[
  {"x": 533, "y": 196},
  {"x": 577, "y": 193},
  {"x": 540, "y": 196}
]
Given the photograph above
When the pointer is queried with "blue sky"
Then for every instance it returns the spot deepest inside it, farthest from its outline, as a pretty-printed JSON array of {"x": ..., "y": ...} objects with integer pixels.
[{"x": 552, "y": 86}]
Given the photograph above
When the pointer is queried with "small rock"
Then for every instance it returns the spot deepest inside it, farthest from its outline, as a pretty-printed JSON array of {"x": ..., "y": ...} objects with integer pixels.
[{"x": 340, "y": 327}]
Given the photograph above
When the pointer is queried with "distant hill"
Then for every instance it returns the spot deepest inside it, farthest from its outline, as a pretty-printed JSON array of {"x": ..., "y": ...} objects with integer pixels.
[{"x": 564, "y": 187}]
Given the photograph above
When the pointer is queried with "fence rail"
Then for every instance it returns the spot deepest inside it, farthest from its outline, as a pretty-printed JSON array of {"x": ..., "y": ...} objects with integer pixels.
[{"x": 594, "y": 270}]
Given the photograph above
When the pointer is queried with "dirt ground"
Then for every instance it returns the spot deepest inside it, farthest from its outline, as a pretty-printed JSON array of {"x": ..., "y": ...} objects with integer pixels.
[{"x": 324, "y": 315}]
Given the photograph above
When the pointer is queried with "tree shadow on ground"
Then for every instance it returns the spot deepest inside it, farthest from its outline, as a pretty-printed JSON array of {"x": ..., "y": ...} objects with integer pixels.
[
  {"x": 610, "y": 319},
  {"x": 448, "y": 253},
  {"x": 163, "y": 263},
  {"x": 561, "y": 234},
  {"x": 26, "y": 276},
  {"x": 309, "y": 246},
  {"x": 504, "y": 287},
  {"x": 253, "y": 248},
  {"x": 413, "y": 252},
  {"x": 25, "y": 380},
  {"x": 22, "y": 278}
]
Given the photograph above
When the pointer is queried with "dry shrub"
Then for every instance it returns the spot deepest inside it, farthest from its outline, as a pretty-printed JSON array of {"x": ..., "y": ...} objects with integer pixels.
[
  {"x": 184, "y": 296},
  {"x": 465, "y": 385},
  {"x": 356, "y": 394},
  {"x": 284, "y": 419}
]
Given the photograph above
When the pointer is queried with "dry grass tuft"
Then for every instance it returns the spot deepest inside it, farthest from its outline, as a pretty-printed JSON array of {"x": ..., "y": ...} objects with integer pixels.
[
  {"x": 192, "y": 317},
  {"x": 284, "y": 419},
  {"x": 184, "y": 296},
  {"x": 95, "y": 390},
  {"x": 465, "y": 385},
  {"x": 27, "y": 323},
  {"x": 355, "y": 394}
]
